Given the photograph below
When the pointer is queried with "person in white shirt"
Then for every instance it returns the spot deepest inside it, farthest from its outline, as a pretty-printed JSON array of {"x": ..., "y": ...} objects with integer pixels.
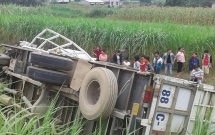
[
  {"x": 157, "y": 63},
  {"x": 197, "y": 74},
  {"x": 137, "y": 62},
  {"x": 126, "y": 62}
]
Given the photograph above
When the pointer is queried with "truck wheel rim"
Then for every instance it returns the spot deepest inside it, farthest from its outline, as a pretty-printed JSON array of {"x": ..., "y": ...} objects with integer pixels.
[{"x": 93, "y": 92}]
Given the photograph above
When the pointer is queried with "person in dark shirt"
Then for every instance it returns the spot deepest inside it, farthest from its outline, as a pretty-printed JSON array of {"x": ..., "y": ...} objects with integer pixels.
[
  {"x": 157, "y": 63},
  {"x": 194, "y": 61},
  {"x": 169, "y": 59},
  {"x": 97, "y": 52},
  {"x": 117, "y": 58},
  {"x": 124, "y": 53},
  {"x": 148, "y": 66}
]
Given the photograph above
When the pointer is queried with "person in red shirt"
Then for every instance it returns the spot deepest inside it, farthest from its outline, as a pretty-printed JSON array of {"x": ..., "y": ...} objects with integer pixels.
[
  {"x": 97, "y": 52},
  {"x": 206, "y": 63},
  {"x": 143, "y": 64}
]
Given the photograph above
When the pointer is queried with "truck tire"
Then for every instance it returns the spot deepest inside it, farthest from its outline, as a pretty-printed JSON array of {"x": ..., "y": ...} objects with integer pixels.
[
  {"x": 48, "y": 76},
  {"x": 51, "y": 61},
  {"x": 4, "y": 60},
  {"x": 98, "y": 94}
]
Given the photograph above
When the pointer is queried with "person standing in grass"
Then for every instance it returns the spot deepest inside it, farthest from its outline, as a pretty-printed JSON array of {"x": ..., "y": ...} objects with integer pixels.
[
  {"x": 137, "y": 62},
  {"x": 169, "y": 59},
  {"x": 124, "y": 53},
  {"x": 157, "y": 63},
  {"x": 196, "y": 74},
  {"x": 194, "y": 61},
  {"x": 117, "y": 58},
  {"x": 103, "y": 56},
  {"x": 206, "y": 63},
  {"x": 180, "y": 56},
  {"x": 143, "y": 63},
  {"x": 126, "y": 62},
  {"x": 97, "y": 52},
  {"x": 148, "y": 66}
]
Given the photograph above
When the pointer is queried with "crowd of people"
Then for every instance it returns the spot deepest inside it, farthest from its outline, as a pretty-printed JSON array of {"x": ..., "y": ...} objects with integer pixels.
[{"x": 167, "y": 60}]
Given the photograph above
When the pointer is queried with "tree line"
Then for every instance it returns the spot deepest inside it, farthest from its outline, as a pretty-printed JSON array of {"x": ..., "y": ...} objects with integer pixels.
[
  {"x": 23, "y": 2},
  {"x": 190, "y": 3},
  {"x": 182, "y": 3}
]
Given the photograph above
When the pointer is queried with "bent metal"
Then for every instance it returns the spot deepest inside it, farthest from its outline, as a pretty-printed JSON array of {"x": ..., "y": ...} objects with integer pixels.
[{"x": 122, "y": 98}]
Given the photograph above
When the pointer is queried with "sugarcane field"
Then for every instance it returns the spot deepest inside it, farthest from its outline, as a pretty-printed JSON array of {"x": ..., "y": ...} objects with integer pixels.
[{"x": 107, "y": 67}]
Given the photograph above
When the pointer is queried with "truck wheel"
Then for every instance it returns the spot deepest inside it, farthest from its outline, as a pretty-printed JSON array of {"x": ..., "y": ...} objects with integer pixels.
[
  {"x": 51, "y": 61},
  {"x": 48, "y": 76},
  {"x": 4, "y": 60},
  {"x": 98, "y": 94}
]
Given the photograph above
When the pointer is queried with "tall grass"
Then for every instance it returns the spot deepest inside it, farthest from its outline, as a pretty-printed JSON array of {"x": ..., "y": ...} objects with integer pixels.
[
  {"x": 204, "y": 125},
  {"x": 24, "y": 23},
  {"x": 141, "y": 38},
  {"x": 183, "y": 15},
  {"x": 14, "y": 122},
  {"x": 20, "y": 123}
]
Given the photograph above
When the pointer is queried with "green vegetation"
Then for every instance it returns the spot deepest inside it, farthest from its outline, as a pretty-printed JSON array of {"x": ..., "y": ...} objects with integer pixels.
[
  {"x": 190, "y": 3},
  {"x": 23, "y": 2},
  {"x": 182, "y": 15},
  {"x": 17, "y": 122},
  {"x": 142, "y": 38},
  {"x": 203, "y": 125},
  {"x": 144, "y": 29}
]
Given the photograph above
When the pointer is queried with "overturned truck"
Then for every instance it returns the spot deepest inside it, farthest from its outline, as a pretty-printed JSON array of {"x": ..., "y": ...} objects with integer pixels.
[{"x": 123, "y": 99}]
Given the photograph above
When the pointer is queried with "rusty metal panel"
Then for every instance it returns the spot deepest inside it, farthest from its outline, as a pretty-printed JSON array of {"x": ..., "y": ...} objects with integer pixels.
[
  {"x": 125, "y": 83},
  {"x": 138, "y": 91},
  {"x": 12, "y": 64},
  {"x": 81, "y": 70},
  {"x": 24, "y": 78}
]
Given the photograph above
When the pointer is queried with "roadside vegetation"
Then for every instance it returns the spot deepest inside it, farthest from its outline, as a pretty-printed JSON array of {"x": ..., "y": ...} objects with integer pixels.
[
  {"x": 142, "y": 29},
  {"x": 23, "y": 23},
  {"x": 182, "y": 15},
  {"x": 16, "y": 121}
]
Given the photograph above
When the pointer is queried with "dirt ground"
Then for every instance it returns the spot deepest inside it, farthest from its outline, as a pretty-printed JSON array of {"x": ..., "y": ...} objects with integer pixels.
[{"x": 186, "y": 75}]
